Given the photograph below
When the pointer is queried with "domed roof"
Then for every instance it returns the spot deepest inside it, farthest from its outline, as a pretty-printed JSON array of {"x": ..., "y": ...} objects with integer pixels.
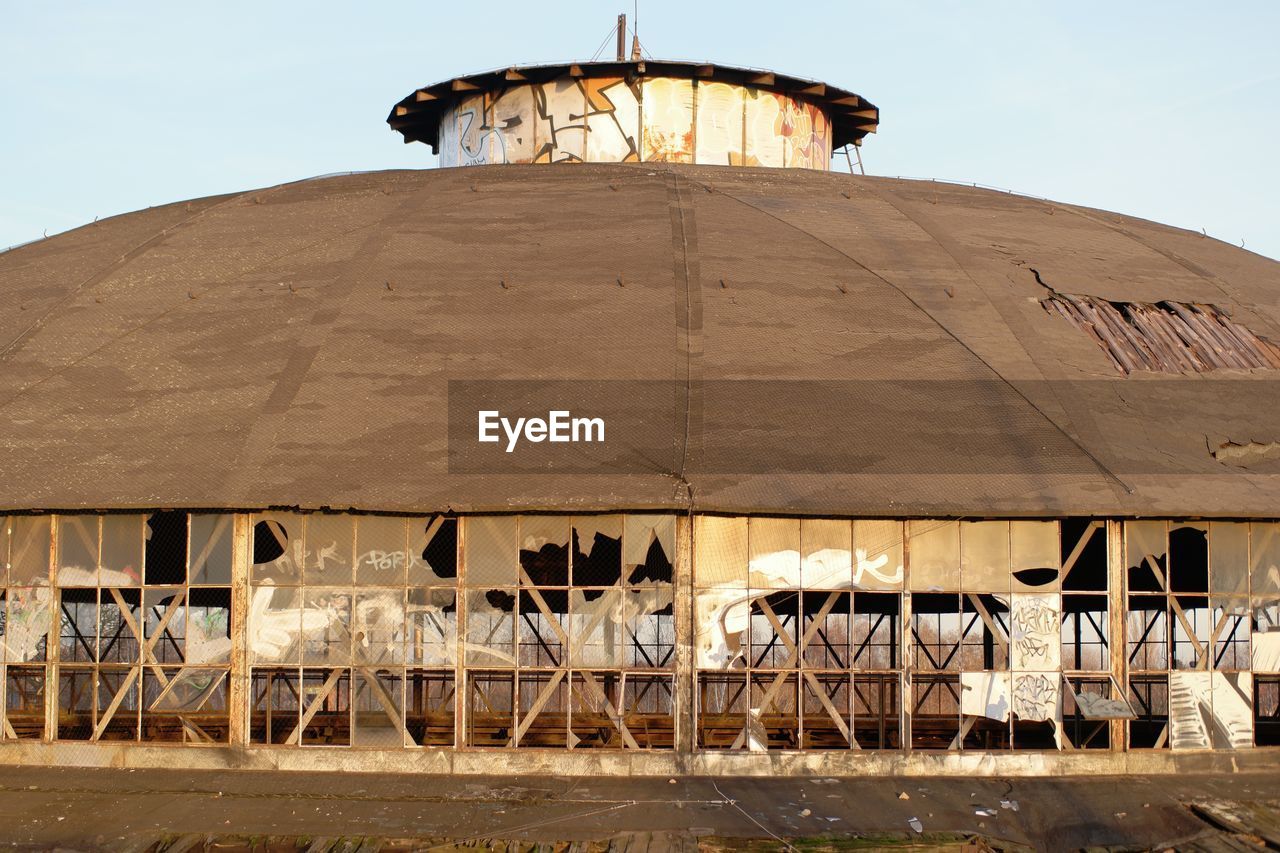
[{"x": 821, "y": 344}]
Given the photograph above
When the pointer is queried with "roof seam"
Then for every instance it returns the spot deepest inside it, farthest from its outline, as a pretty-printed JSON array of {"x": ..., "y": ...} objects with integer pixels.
[{"x": 1101, "y": 467}]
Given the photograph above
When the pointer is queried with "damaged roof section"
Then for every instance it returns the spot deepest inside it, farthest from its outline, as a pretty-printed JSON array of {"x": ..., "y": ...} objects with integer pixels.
[{"x": 1165, "y": 337}]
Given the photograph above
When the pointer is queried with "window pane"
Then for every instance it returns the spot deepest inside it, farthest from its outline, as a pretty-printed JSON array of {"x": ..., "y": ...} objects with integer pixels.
[
  {"x": 28, "y": 550},
  {"x": 935, "y": 555},
  {"x": 775, "y": 553},
  {"x": 433, "y": 551},
  {"x": 277, "y": 548},
  {"x": 828, "y": 559},
  {"x": 275, "y": 625},
  {"x": 877, "y": 554},
  {"x": 544, "y": 550},
  {"x": 211, "y": 549},
  {"x": 1033, "y": 555},
  {"x": 720, "y": 551},
  {"x": 649, "y": 548},
  {"x": 330, "y": 544},
  {"x": 1264, "y": 558},
  {"x": 122, "y": 538},
  {"x": 381, "y": 558},
  {"x": 984, "y": 548},
  {"x": 326, "y": 626},
  {"x": 26, "y": 629},
  {"x": 597, "y": 550},
  {"x": 491, "y": 551},
  {"x": 1144, "y": 543},
  {"x": 78, "y": 550}
]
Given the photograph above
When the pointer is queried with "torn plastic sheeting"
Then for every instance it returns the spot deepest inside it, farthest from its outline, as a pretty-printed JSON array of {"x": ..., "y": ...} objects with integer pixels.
[
  {"x": 721, "y": 617},
  {"x": 1096, "y": 707},
  {"x": 1210, "y": 710}
]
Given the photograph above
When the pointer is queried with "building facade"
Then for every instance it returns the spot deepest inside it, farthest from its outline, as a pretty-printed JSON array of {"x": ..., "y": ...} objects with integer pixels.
[{"x": 898, "y": 476}]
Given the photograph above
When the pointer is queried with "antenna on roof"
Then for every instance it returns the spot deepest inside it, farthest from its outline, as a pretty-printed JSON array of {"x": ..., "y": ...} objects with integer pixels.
[{"x": 635, "y": 32}]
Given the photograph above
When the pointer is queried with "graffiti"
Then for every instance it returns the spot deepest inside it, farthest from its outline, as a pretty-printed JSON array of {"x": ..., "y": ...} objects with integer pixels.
[
  {"x": 599, "y": 120},
  {"x": 208, "y": 640},
  {"x": 383, "y": 561},
  {"x": 1036, "y": 643},
  {"x": 1035, "y": 696},
  {"x": 27, "y": 626},
  {"x": 719, "y": 135},
  {"x": 613, "y": 121},
  {"x": 668, "y": 120},
  {"x": 806, "y": 135},
  {"x": 863, "y": 565}
]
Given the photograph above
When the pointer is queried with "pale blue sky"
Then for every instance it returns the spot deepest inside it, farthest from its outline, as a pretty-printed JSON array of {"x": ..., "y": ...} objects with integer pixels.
[{"x": 1167, "y": 110}]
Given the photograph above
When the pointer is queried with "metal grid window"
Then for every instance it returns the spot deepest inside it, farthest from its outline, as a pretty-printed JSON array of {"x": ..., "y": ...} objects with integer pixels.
[
  {"x": 353, "y": 630},
  {"x": 570, "y": 632},
  {"x": 25, "y": 618},
  {"x": 797, "y": 633},
  {"x": 144, "y": 636},
  {"x": 1189, "y": 643}
]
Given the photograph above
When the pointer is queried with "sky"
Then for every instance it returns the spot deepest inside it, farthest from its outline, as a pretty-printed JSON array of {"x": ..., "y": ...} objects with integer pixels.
[{"x": 1165, "y": 110}]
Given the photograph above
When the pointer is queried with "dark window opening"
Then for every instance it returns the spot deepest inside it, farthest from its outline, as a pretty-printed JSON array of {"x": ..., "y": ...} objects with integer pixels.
[
  {"x": 1084, "y": 540},
  {"x": 441, "y": 553},
  {"x": 269, "y": 541},
  {"x": 166, "y": 549}
]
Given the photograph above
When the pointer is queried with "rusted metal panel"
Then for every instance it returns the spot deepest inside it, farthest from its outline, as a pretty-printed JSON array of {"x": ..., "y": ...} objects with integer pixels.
[{"x": 1170, "y": 337}]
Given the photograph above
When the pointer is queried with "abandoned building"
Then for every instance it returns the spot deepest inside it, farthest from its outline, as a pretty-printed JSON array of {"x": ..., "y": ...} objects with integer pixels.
[{"x": 899, "y": 476}]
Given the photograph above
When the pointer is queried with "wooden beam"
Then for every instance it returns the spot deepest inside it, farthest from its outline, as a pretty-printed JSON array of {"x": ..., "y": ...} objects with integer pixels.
[
  {"x": 464, "y": 86},
  {"x": 817, "y": 90},
  {"x": 423, "y": 95},
  {"x": 514, "y": 76},
  {"x": 763, "y": 80}
]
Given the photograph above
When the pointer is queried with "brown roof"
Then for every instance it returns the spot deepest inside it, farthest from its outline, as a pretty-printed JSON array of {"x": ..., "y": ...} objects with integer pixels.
[
  {"x": 786, "y": 341},
  {"x": 417, "y": 115}
]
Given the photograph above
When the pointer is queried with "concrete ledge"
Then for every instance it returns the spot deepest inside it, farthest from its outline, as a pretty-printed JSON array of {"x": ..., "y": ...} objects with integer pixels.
[{"x": 610, "y": 763}]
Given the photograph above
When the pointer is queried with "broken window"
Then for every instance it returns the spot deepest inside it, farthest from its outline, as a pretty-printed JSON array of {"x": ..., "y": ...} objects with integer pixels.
[
  {"x": 1091, "y": 698},
  {"x": 1168, "y": 337},
  {"x": 789, "y": 655},
  {"x": 144, "y": 652},
  {"x": 937, "y": 632},
  {"x": 580, "y": 654},
  {"x": 1266, "y": 710},
  {"x": 1189, "y": 625},
  {"x": 988, "y": 662},
  {"x": 1089, "y": 704},
  {"x": 353, "y": 634},
  {"x": 26, "y": 615}
]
